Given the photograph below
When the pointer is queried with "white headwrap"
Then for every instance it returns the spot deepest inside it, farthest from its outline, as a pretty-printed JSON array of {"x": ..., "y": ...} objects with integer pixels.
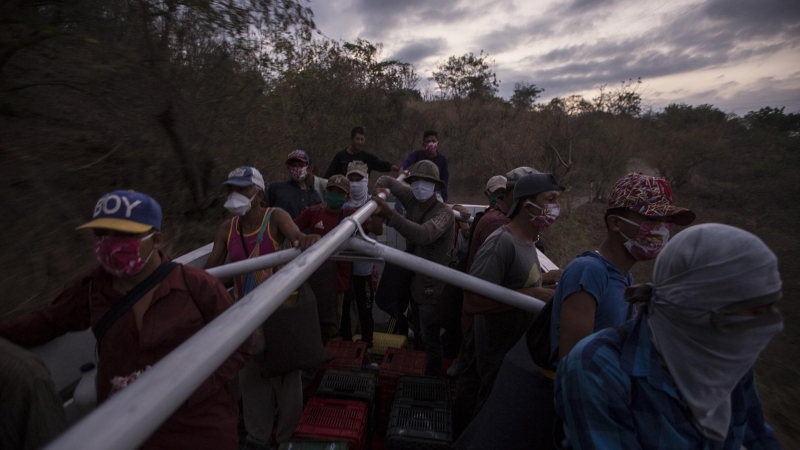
[{"x": 702, "y": 276}]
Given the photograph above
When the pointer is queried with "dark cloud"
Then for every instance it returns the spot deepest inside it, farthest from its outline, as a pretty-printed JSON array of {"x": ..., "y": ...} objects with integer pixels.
[
  {"x": 704, "y": 39},
  {"x": 380, "y": 17},
  {"x": 416, "y": 51}
]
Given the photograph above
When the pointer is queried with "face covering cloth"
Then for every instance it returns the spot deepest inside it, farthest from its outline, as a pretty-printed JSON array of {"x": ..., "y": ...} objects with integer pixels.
[{"x": 703, "y": 275}]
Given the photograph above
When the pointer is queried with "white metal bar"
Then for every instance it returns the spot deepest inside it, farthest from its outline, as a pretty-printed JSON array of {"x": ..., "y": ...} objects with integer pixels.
[
  {"x": 447, "y": 274},
  {"x": 251, "y": 265},
  {"x": 127, "y": 419},
  {"x": 458, "y": 217}
]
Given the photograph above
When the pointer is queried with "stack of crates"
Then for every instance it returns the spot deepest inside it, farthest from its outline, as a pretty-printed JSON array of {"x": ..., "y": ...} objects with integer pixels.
[
  {"x": 328, "y": 419},
  {"x": 346, "y": 355},
  {"x": 351, "y": 385},
  {"x": 396, "y": 362},
  {"x": 420, "y": 418}
]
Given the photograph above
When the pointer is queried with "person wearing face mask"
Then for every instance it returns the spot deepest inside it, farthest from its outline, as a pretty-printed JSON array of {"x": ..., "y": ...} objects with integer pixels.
[
  {"x": 360, "y": 289},
  {"x": 127, "y": 246},
  {"x": 256, "y": 231},
  {"x": 429, "y": 229},
  {"x": 332, "y": 279},
  {"x": 508, "y": 258},
  {"x": 297, "y": 193},
  {"x": 430, "y": 152},
  {"x": 589, "y": 298},
  {"x": 680, "y": 374}
]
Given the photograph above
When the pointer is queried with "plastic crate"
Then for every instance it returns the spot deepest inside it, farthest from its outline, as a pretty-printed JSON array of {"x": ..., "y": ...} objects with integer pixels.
[
  {"x": 335, "y": 420},
  {"x": 307, "y": 444},
  {"x": 346, "y": 355},
  {"x": 397, "y": 362},
  {"x": 348, "y": 385},
  {"x": 422, "y": 389},
  {"x": 419, "y": 426},
  {"x": 383, "y": 341}
]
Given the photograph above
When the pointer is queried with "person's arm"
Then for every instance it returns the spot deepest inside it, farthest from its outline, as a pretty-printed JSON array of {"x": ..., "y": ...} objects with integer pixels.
[
  {"x": 213, "y": 299},
  {"x": 596, "y": 412},
  {"x": 758, "y": 434},
  {"x": 377, "y": 164},
  {"x": 288, "y": 230},
  {"x": 220, "y": 250},
  {"x": 68, "y": 312},
  {"x": 425, "y": 233},
  {"x": 551, "y": 277},
  {"x": 376, "y": 225},
  {"x": 412, "y": 158},
  {"x": 334, "y": 167},
  {"x": 577, "y": 320},
  {"x": 401, "y": 191}
]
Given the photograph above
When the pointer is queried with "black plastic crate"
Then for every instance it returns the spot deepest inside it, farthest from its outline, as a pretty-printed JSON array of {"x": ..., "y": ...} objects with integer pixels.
[
  {"x": 302, "y": 444},
  {"x": 423, "y": 389},
  {"x": 348, "y": 385},
  {"x": 419, "y": 426}
]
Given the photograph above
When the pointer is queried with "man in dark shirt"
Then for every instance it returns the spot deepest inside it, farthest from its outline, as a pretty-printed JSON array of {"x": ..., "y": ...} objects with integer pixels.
[
  {"x": 294, "y": 195},
  {"x": 355, "y": 153},
  {"x": 430, "y": 152}
]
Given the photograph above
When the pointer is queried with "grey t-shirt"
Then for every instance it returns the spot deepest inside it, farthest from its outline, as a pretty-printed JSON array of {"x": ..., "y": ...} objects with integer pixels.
[{"x": 508, "y": 261}]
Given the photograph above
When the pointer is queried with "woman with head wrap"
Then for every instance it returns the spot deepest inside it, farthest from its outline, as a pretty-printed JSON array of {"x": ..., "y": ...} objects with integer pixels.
[{"x": 680, "y": 374}]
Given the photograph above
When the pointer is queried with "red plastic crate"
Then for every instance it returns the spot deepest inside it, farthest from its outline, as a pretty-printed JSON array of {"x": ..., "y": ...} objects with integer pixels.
[
  {"x": 337, "y": 420},
  {"x": 396, "y": 362},
  {"x": 346, "y": 355}
]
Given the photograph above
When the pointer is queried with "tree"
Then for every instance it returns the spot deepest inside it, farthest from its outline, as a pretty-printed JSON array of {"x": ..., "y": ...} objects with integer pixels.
[
  {"x": 768, "y": 117},
  {"x": 466, "y": 76},
  {"x": 626, "y": 100},
  {"x": 525, "y": 95}
]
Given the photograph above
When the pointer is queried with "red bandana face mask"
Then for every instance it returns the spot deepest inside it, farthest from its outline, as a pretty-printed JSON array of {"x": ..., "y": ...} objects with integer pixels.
[
  {"x": 120, "y": 255},
  {"x": 298, "y": 173}
]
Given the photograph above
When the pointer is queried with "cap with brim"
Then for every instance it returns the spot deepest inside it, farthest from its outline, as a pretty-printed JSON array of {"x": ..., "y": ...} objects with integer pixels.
[
  {"x": 514, "y": 175},
  {"x": 676, "y": 214},
  {"x": 495, "y": 183},
  {"x": 339, "y": 181},
  {"x": 299, "y": 155},
  {"x": 427, "y": 171},
  {"x": 122, "y": 225},
  {"x": 126, "y": 212},
  {"x": 358, "y": 167},
  {"x": 530, "y": 185},
  {"x": 649, "y": 196},
  {"x": 245, "y": 176}
]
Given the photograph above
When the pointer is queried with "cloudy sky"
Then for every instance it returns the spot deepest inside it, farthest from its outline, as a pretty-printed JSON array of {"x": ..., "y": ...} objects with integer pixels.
[{"x": 736, "y": 54}]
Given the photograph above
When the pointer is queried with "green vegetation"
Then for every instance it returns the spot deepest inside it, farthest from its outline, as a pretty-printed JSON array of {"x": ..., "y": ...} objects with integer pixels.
[{"x": 166, "y": 97}]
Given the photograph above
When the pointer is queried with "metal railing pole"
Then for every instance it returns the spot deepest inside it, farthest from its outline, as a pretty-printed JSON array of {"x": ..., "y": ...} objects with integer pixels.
[
  {"x": 447, "y": 275},
  {"x": 128, "y": 418},
  {"x": 251, "y": 265}
]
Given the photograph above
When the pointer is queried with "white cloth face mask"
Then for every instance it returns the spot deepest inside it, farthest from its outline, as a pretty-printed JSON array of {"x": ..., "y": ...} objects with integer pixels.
[{"x": 423, "y": 190}]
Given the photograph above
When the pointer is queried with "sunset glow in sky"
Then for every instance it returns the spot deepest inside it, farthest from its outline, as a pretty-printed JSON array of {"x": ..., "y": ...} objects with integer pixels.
[{"x": 738, "y": 55}]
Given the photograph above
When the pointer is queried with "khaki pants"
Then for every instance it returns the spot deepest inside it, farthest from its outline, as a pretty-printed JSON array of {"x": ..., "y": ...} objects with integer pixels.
[{"x": 259, "y": 396}]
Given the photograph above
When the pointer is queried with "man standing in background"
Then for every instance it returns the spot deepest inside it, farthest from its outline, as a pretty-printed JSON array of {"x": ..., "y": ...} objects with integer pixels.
[
  {"x": 355, "y": 152},
  {"x": 294, "y": 195},
  {"x": 430, "y": 152}
]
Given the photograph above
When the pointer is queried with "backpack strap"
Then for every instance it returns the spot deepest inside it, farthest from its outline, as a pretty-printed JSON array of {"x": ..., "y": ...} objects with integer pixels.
[{"x": 119, "y": 308}]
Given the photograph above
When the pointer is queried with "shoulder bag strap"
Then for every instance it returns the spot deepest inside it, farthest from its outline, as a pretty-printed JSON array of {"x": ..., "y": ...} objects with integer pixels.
[{"x": 119, "y": 308}]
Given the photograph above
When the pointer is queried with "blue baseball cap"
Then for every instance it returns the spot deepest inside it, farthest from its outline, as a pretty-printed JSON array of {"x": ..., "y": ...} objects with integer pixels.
[
  {"x": 300, "y": 155},
  {"x": 245, "y": 176},
  {"x": 125, "y": 211}
]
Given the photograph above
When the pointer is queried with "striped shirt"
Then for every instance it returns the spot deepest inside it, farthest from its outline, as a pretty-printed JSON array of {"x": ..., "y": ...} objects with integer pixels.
[{"x": 612, "y": 392}]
